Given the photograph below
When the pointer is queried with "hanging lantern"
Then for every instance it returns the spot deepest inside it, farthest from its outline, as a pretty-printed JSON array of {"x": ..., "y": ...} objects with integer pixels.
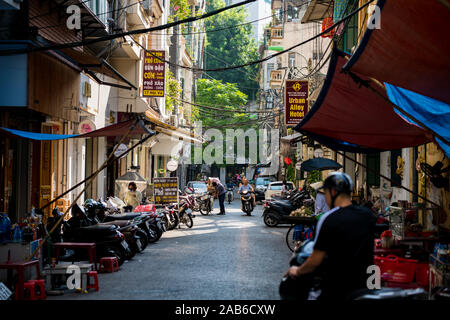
[
  {"x": 326, "y": 23},
  {"x": 287, "y": 160}
]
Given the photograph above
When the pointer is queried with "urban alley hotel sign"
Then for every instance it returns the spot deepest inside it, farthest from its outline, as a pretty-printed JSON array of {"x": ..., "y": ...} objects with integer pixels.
[
  {"x": 154, "y": 74},
  {"x": 296, "y": 101}
]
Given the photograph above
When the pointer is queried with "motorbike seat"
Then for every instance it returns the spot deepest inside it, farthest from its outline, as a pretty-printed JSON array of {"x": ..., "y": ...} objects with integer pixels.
[
  {"x": 285, "y": 205},
  {"x": 124, "y": 216},
  {"x": 98, "y": 229}
]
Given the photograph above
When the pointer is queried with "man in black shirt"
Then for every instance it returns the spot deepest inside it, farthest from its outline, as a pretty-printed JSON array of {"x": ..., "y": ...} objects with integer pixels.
[
  {"x": 220, "y": 189},
  {"x": 343, "y": 245}
]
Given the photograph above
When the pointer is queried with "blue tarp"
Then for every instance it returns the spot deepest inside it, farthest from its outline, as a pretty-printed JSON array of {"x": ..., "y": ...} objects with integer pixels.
[
  {"x": 432, "y": 113},
  {"x": 39, "y": 136}
]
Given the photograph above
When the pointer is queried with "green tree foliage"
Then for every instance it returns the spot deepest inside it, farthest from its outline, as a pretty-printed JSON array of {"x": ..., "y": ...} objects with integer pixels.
[
  {"x": 220, "y": 95},
  {"x": 226, "y": 96},
  {"x": 173, "y": 91},
  {"x": 232, "y": 46}
]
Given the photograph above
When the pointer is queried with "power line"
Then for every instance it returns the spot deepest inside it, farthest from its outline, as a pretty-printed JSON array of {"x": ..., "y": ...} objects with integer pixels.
[
  {"x": 266, "y": 58},
  {"x": 119, "y": 35}
]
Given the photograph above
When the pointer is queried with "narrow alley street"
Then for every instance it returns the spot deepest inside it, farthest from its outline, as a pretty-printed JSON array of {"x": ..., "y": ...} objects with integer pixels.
[{"x": 221, "y": 257}]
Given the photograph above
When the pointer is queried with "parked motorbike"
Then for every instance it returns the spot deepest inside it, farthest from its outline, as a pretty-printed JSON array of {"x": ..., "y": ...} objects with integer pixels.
[
  {"x": 109, "y": 241},
  {"x": 276, "y": 210},
  {"x": 145, "y": 215},
  {"x": 247, "y": 202},
  {"x": 134, "y": 236},
  {"x": 186, "y": 202},
  {"x": 205, "y": 203}
]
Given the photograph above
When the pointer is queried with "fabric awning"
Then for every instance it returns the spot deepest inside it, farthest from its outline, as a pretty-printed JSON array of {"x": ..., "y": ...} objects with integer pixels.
[
  {"x": 410, "y": 50},
  {"x": 172, "y": 130},
  {"x": 114, "y": 130},
  {"x": 318, "y": 10},
  {"x": 92, "y": 64},
  {"x": 348, "y": 117}
]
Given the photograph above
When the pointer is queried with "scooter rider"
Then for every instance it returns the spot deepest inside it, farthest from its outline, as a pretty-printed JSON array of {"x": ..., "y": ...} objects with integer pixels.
[
  {"x": 343, "y": 244},
  {"x": 245, "y": 186}
]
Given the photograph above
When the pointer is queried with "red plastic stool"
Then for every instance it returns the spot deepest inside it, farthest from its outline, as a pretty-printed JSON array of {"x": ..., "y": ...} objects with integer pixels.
[
  {"x": 41, "y": 285},
  {"x": 29, "y": 286},
  {"x": 109, "y": 264},
  {"x": 94, "y": 275}
]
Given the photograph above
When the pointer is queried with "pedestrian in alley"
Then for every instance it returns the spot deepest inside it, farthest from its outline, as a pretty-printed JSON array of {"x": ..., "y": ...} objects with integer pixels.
[
  {"x": 133, "y": 197},
  {"x": 221, "y": 191},
  {"x": 320, "y": 205}
]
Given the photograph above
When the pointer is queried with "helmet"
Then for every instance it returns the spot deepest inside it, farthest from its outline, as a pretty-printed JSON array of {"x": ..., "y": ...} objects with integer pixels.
[{"x": 339, "y": 181}]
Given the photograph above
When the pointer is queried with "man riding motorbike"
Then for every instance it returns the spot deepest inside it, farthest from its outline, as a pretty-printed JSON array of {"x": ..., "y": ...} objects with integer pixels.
[
  {"x": 245, "y": 186},
  {"x": 343, "y": 244}
]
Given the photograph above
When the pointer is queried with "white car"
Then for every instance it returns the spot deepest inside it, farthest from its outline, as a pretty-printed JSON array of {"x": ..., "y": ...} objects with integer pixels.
[{"x": 274, "y": 188}]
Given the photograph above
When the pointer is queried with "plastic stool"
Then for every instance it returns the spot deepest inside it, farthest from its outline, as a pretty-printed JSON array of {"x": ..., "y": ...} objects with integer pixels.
[
  {"x": 29, "y": 286},
  {"x": 41, "y": 285},
  {"x": 109, "y": 264},
  {"x": 94, "y": 275}
]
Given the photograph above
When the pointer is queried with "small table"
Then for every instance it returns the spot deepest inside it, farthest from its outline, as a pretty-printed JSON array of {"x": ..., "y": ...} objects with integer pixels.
[
  {"x": 20, "y": 266},
  {"x": 385, "y": 252},
  {"x": 78, "y": 245},
  {"x": 61, "y": 269}
]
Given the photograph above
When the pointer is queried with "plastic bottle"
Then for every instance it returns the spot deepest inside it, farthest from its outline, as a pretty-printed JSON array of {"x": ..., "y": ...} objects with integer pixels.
[
  {"x": 5, "y": 228},
  {"x": 17, "y": 233}
]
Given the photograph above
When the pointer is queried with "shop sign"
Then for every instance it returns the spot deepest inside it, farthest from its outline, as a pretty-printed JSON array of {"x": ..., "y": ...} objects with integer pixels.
[
  {"x": 121, "y": 149},
  {"x": 165, "y": 190},
  {"x": 296, "y": 101},
  {"x": 172, "y": 165},
  {"x": 86, "y": 126},
  {"x": 153, "y": 74}
]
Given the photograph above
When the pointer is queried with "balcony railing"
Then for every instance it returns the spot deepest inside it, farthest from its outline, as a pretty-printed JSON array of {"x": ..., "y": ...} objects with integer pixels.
[
  {"x": 276, "y": 79},
  {"x": 276, "y": 33}
]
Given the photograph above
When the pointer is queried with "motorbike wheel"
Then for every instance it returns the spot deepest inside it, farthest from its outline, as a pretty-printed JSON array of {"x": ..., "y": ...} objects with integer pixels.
[
  {"x": 155, "y": 234},
  {"x": 204, "y": 211},
  {"x": 174, "y": 223},
  {"x": 270, "y": 221},
  {"x": 188, "y": 221},
  {"x": 116, "y": 252},
  {"x": 144, "y": 238}
]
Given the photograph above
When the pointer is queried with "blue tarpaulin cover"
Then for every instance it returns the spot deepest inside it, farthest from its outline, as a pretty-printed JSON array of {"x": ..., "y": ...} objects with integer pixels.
[
  {"x": 38, "y": 136},
  {"x": 432, "y": 113}
]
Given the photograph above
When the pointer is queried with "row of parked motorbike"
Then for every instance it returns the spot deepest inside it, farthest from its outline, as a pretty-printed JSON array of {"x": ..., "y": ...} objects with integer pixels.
[{"x": 118, "y": 232}]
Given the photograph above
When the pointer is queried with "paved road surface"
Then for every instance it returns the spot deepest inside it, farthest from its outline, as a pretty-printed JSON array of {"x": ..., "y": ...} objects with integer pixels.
[{"x": 221, "y": 257}]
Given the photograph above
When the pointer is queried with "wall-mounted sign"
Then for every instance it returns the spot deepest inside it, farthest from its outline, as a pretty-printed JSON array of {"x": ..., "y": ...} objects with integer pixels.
[
  {"x": 165, "y": 190},
  {"x": 318, "y": 153},
  {"x": 86, "y": 126},
  {"x": 153, "y": 74},
  {"x": 296, "y": 101},
  {"x": 172, "y": 165},
  {"x": 121, "y": 149}
]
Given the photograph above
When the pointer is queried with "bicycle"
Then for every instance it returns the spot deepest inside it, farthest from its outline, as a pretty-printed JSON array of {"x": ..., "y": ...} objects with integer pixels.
[{"x": 296, "y": 234}]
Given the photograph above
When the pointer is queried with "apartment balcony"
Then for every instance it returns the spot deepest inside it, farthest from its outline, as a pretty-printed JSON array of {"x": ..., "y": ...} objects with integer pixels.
[
  {"x": 276, "y": 79},
  {"x": 137, "y": 16},
  {"x": 276, "y": 33},
  {"x": 277, "y": 4}
]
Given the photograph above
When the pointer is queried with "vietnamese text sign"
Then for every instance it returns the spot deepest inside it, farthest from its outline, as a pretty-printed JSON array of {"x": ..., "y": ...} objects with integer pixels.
[
  {"x": 165, "y": 190},
  {"x": 296, "y": 101},
  {"x": 154, "y": 74}
]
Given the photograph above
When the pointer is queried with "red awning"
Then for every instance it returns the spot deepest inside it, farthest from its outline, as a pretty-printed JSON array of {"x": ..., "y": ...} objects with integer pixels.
[
  {"x": 410, "y": 50},
  {"x": 117, "y": 130},
  {"x": 352, "y": 114}
]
